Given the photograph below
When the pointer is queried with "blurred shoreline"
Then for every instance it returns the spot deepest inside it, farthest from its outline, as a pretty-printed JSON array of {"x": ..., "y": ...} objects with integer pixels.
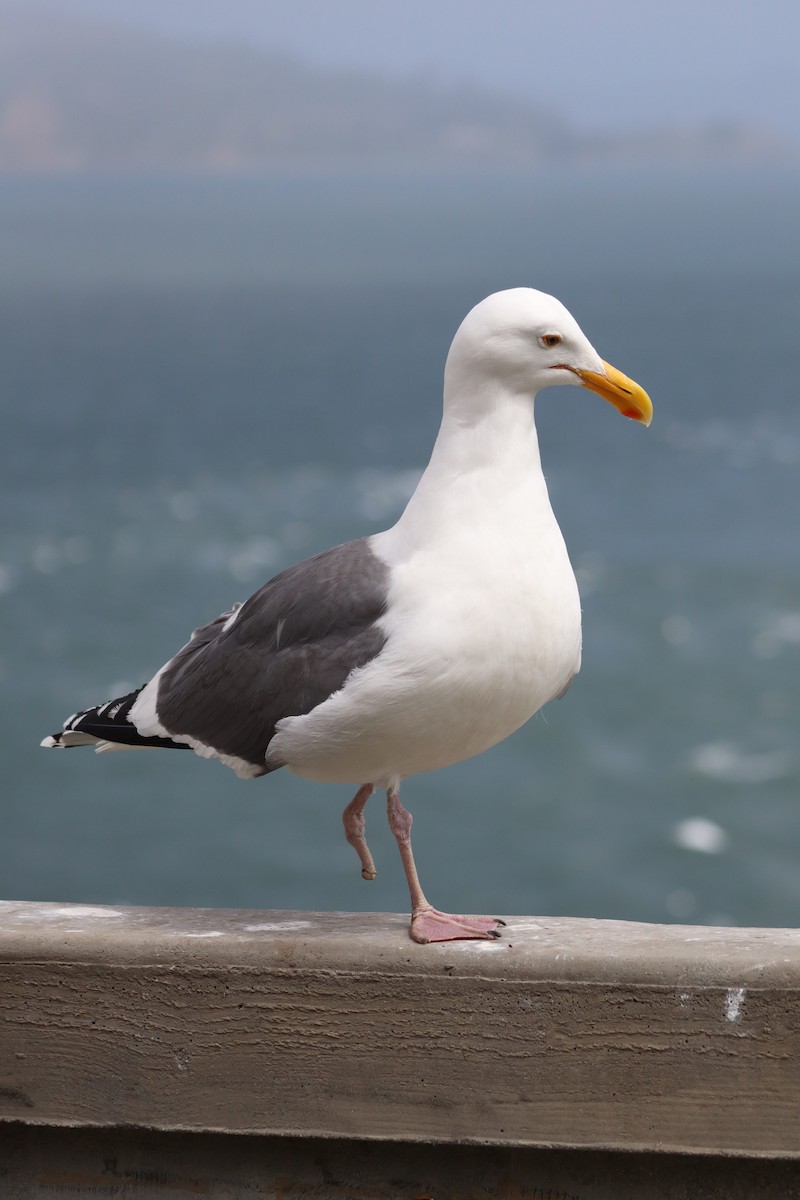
[{"x": 81, "y": 94}]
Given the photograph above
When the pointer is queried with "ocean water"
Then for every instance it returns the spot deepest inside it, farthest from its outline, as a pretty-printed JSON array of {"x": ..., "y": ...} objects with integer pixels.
[{"x": 204, "y": 381}]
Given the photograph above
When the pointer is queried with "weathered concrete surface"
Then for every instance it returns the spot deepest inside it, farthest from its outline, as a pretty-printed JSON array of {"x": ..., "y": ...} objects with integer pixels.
[
  {"x": 37, "y": 1163},
  {"x": 568, "y": 1033}
]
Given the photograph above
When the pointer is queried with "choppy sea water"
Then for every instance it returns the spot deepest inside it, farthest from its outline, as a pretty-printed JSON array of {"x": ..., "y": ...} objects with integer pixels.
[{"x": 206, "y": 381}]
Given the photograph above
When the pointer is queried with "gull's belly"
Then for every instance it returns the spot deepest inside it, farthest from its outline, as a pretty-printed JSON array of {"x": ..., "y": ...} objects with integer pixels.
[{"x": 461, "y": 670}]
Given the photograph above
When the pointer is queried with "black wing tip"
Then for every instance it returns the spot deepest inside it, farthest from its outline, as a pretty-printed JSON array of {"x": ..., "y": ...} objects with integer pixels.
[{"x": 107, "y": 722}]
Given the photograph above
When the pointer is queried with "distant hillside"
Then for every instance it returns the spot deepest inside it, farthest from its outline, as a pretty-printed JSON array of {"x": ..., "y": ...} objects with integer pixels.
[{"x": 80, "y": 95}]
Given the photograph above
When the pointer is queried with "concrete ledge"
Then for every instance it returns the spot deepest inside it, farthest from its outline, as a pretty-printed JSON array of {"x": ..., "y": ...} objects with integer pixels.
[{"x": 568, "y": 1033}]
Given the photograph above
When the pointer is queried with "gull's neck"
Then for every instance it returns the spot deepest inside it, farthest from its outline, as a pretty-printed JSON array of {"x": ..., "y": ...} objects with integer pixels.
[
  {"x": 484, "y": 471},
  {"x": 485, "y": 427}
]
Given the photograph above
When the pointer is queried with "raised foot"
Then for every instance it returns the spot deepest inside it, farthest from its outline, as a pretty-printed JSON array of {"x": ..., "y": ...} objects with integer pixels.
[{"x": 430, "y": 925}]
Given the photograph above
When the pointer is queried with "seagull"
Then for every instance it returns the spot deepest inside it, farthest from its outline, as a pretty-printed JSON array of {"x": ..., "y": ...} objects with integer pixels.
[{"x": 413, "y": 648}]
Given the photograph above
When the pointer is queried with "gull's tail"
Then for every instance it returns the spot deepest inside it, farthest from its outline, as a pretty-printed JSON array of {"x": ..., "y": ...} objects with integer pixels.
[{"x": 107, "y": 728}]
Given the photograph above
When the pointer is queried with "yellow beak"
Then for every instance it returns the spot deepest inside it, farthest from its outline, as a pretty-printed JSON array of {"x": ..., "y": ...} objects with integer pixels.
[{"x": 631, "y": 400}]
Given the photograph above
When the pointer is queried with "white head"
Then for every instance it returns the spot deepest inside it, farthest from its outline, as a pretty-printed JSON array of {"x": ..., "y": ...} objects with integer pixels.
[{"x": 520, "y": 341}]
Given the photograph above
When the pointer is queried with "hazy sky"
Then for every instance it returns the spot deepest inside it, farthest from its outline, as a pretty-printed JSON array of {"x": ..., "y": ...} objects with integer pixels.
[{"x": 604, "y": 63}]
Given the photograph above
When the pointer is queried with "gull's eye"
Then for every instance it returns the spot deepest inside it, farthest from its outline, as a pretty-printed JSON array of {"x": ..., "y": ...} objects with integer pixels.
[{"x": 548, "y": 340}]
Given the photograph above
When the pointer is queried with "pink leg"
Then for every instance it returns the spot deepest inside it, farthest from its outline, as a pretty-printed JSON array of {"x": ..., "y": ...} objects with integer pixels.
[
  {"x": 427, "y": 923},
  {"x": 355, "y": 828}
]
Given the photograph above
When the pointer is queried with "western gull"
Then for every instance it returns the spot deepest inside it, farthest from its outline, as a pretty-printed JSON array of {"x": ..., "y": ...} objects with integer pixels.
[{"x": 414, "y": 648}]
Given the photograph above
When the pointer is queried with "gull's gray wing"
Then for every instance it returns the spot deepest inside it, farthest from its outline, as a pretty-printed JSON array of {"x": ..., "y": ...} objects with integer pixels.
[{"x": 288, "y": 648}]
